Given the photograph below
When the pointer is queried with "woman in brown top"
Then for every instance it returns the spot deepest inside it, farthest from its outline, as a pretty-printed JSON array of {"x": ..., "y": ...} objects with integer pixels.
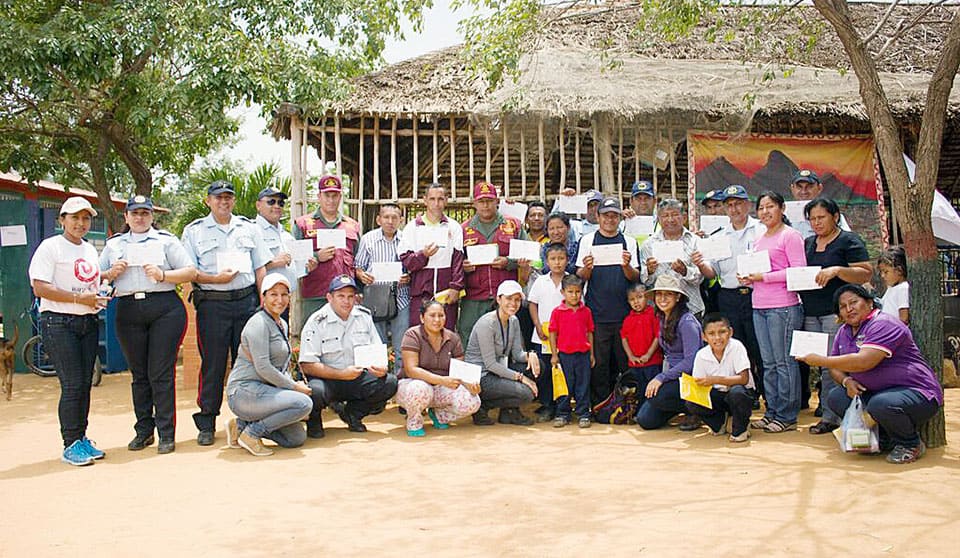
[{"x": 425, "y": 381}]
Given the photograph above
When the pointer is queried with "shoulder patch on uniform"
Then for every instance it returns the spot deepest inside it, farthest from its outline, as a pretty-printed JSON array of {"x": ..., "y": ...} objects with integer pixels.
[
  {"x": 196, "y": 222},
  {"x": 362, "y": 308},
  {"x": 111, "y": 237},
  {"x": 244, "y": 218},
  {"x": 164, "y": 232}
]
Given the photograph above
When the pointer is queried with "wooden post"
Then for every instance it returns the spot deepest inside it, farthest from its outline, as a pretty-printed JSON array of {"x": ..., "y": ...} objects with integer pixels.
[
  {"x": 486, "y": 139},
  {"x": 603, "y": 177},
  {"x": 596, "y": 158},
  {"x": 673, "y": 172},
  {"x": 523, "y": 164},
  {"x": 393, "y": 159},
  {"x": 376, "y": 156},
  {"x": 361, "y": 156},
  {"x": 620, "y": 160},
  {"x": 543, "y": 170},
  {"x": 297, "y": 202},
  {"x": 416, "y": 157},
  {"x": 636, "y": 154},
  {"x": 470, "y": 152},
  {"x": 336, "y": 143},
  {"x": 436, "y": 163},
  {"x": 506, "y": 159},
  {"x": 323, "y": 145},
  {"x": 563, "y": 161},
  {"x": 576, "y": 157}
]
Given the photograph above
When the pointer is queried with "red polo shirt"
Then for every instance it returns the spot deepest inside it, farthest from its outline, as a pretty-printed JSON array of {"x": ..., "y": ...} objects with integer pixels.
[{"x": 572, "y": 326}]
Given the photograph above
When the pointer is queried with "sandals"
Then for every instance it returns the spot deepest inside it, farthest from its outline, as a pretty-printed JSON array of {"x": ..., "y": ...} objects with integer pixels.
[
  {"x": 823, "y": 427},
  {"x": 776, "y": 426},
  {"x": 760, "y": 424}
]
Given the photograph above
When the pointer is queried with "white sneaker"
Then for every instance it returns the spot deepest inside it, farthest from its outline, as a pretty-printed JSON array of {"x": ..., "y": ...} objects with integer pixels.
[{"x": 742, "y": 437}]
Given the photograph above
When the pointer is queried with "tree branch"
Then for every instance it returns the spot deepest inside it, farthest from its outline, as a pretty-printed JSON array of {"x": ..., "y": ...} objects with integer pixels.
[
  {"x": 904, "y": 27},
  {"x": 127, "y": 151},
  {"x": 881, "y": 23},
  {"x": 935, "y": 108}
]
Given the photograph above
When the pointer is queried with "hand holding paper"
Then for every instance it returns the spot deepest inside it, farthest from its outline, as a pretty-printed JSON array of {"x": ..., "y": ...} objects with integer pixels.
[
  {"x": 464, "y": 371},
  {"x": 367, "y": 356},
  {"x": 809, "y": 342},
  {"x": 693, "y": 392},
  {"x": 803, "y": 278}
]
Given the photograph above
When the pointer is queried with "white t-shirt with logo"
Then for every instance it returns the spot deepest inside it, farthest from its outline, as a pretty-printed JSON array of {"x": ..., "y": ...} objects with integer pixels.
[{"x": 67, "y": 266}]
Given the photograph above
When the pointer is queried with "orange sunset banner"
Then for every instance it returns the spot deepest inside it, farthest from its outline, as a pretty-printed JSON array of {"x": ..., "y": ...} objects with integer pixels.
[{"x": 847, "y": 167}]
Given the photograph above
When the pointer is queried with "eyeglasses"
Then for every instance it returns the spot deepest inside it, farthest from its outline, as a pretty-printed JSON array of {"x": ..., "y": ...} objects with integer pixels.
[{"x": 273, "y": 201}]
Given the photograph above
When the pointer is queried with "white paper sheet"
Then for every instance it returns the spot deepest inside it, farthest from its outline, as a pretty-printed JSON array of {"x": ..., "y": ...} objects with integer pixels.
[
  {"x": 366, "y": 356},
  {"x": 572, "y": 204},
  {"x": 803, "y": 278},
  {"x": 439, "y": 236},
  {"x": 298, "y": 268},
  {"x": 386, "y": 272},
  {"x": 794, "y": 210},
  {"x": 711, "y": 223},
  {"x": 641, "y": 225},
  {"x": 482, "y": 254},
  {"x": 13, "y": 235},
  {"x": 516, "y": 210},
  {"x": 234, "y": 260},
  {"x": 441, "y": 260},
  {"x": 809, "y": 342},
  {"x": 716, "y": 247},
  {"x": 300, "y": 250},
  {"x": 607, "y": 254},
  {"x": 754, "y": 262},
  {"x": 464, "y": 371},
  {"x": 142, "y": 253},
  {"x": 668, "y": 251},
  {"x": 524, "y": 249},
  {"x": 331, "y": 237}
]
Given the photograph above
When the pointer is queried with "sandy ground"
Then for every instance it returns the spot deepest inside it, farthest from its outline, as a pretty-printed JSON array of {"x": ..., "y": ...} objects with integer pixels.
[{"x": 469, "y": 491}]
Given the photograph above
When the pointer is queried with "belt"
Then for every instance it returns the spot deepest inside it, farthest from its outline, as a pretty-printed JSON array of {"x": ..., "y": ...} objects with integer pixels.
[
  {"x": 237, "y": 294},
  {"x": 743, "y": 291},
  {"x": 143, "y": 295}
]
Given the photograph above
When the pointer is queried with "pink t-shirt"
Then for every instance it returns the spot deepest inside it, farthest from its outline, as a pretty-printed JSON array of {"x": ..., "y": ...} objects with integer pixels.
[{"x": 786, "y": 250}]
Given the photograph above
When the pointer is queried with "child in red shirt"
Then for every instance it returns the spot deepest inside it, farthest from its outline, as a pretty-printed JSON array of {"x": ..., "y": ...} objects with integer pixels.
[
  {"x": 571, "y": 335},
  {"x": 639, "y": 337}
]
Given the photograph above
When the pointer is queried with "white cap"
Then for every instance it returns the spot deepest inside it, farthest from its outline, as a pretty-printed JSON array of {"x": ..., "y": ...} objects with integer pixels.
[
  {"x": 509, "y": 288},
  {"x": 272, "y": 280},
  {"x": 77, "y": 204}
]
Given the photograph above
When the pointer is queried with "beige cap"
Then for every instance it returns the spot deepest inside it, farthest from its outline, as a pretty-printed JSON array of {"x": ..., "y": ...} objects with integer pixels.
[{"x": 77, "y": 204}]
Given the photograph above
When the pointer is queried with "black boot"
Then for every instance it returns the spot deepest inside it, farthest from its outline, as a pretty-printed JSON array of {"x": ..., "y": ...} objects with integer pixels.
[
  {"x": 315, "y": 426},
  {"x": 512, "y": 415},
  {"x": 481, "y": 418}
]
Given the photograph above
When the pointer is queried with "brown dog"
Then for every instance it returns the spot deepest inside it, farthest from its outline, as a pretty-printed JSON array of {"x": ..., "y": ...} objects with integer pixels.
[{"x": 7, "y": 350}]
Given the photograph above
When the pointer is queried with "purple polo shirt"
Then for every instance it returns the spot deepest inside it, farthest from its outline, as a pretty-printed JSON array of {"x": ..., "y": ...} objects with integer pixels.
[{"x": 904, "y": 365}]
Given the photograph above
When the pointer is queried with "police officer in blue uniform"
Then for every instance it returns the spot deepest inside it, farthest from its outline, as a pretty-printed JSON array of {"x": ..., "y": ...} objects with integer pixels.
[
  {"x": 230, "y": 256},
  {"x": 146, "y": 265}
]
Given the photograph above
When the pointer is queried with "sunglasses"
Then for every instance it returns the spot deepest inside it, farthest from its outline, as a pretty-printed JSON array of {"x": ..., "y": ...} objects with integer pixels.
[{"x": 273, "y": 201}]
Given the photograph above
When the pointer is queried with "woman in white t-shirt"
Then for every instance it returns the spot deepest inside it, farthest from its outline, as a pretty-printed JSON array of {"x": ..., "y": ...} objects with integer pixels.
[
  {"x": 893, "y": 270},
  {"x": 64, "y": 273}
]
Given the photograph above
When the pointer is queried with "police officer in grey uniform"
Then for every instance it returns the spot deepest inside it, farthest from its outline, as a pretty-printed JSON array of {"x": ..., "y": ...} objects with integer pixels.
[
  {"x": 230, "y": 256},
  {"x": 327, "y": 343},
  {"x": 270, "y": 204},
  {"x": 145, "y": 265}
]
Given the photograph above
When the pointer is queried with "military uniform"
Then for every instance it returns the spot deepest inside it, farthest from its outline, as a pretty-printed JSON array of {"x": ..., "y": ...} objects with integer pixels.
[
  {"x": 222, "y": 310},
  {"x": 276, "y": 240}
]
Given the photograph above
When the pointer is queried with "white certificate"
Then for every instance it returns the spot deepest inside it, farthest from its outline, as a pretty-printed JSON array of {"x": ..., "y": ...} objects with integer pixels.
[
  {"x": 607, "y": 254},
  {"x": 464, "y": 371},
  {"x": 572, "y": 204},
  {"x": 234, "y": 260},
  {"x": 641, "y": 225},
  {"x": 794, "y": 211},
  {"x": 713, "y": 223},
  {"x": 803, "y": 278},
  {"x": 331, "y": 237},
  {"x": 386, "y": 272},
  {"x": 298, "y": 268},
  {"x": 441, "y": 260},
  {"x": 668, "y": 251},
  {"x": 427, "y": 235},
  {"x": 516, "y": 210},
  {"x": 13, "y": 235},
  {"x": 524, "y": 250},
  {"x": 754, "y": 262},
  {"x": 141, "y": 253},
  {"x": 366, "y": 356},
  {"x": 483, "y": 254},
  {"x": 716, "y": 247},
  {"x": 300, "y": 250},
  {"x": 809, "y": 342}
]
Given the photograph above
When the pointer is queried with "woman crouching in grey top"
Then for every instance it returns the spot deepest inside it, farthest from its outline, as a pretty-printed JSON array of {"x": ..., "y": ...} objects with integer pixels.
[{"x": 261, "y": 392}]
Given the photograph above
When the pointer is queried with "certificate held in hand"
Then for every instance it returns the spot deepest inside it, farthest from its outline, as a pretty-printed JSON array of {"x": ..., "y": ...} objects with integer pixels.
[
  {"x": 803, "y": 278},
  {"x": 482, "y": 254},
  {"x": 524, "y": 250},
  {"x": 366, "y": 356},
  {"x": 464, "y": 371},
  {"x": 754, "y": 262},
  {"x": 809, "y": 342},
  {"x": 331, "y": 237}
]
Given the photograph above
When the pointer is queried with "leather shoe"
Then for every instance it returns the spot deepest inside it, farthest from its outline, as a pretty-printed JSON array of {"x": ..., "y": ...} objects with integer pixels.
[
  {"x": 166, "y": 446},
  {"x": 512, "y": 415},
  {"x": 315, "y": 428},
  {"x": 140, "y": 442},
  {"x": 481, "y": 418},
  {"x": 205, "y": 438},
  {"x": 690, "y": 423},
  {"x": 353, "y": 422}
]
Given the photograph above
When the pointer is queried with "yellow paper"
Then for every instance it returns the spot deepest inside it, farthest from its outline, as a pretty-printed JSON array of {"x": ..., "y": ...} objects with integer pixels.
[
  {"x": 545, "y": 343},
  {"x": 559, "y": 383},
  {"x": 694, "y": 393}
]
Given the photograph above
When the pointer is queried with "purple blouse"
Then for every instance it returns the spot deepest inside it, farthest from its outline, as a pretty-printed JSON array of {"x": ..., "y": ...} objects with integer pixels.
[{"x": 680, "y": 354}]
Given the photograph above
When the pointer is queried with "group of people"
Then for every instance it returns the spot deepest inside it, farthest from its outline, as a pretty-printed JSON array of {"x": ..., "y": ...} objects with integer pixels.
[{"x": 598, "y": 310}]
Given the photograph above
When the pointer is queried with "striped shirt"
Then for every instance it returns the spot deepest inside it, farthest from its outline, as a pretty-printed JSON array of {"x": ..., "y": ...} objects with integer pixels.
[{"x": 374, "y": 247}]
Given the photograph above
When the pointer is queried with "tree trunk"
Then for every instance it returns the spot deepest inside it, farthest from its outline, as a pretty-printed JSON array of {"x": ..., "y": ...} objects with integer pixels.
[
  {"x": 101, "y": 187},
  {"x": 125, "y": 148},
  {"x": 912, "y": 200}
]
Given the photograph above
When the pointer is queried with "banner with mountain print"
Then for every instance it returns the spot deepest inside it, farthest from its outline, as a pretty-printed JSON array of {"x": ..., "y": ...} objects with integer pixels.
[{"x": 847, "y": 167}]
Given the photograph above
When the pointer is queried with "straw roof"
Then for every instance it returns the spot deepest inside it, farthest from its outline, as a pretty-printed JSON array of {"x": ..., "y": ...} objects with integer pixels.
[{"x": 693, "y": 81}]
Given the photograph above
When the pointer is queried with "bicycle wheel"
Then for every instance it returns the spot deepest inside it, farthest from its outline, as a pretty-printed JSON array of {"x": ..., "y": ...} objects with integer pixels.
[{"x": 36, "y": 359}]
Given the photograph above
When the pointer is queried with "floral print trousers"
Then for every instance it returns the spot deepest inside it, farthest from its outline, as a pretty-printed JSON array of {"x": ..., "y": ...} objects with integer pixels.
[{"x": 449, "y": 404}]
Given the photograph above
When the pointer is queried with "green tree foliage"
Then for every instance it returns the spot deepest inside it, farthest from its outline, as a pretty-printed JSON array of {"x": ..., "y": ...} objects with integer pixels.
[{"x": 105, "y": 93}]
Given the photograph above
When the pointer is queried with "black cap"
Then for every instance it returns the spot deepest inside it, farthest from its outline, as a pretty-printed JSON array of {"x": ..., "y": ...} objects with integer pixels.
[
  {"x": 139, "y": 202},
  {"x": 218, "y": 187},
  {"x": 271, "y": 192}
]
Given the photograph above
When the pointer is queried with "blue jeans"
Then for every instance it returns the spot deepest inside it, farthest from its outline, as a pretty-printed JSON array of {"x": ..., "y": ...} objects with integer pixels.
[
  {"x": 265, "y": 411},
  {"x": 396, "y": 327},
  {"x": 72, "y": 342},
  {"x": 899, "y": 411},
  {"x": 576, "y": 372},
  {"x": 825, "y": 324},
  {"x": 781, "y": 374}
]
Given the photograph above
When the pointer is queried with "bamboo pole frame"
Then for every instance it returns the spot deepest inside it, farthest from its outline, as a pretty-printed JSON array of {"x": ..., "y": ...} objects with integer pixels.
[
  {"x": 470, "y": 152},
  {"x": 506, "y": 159},
  {"x": 376, "y": 157},
  {"x": 576, "y": 157},
  {"x": 636, "y": 154},
  {"x": 360, "y": 157},
  {"x": 486, "y": 139},
  {"x": 453, "y": 157},
  {"x": 436, "y": 164},
  {"x": 543, "y": 170},
  {"x": 620, "y": 160},
  {"x": 323, "y": 146},
  {"x": 393, "y": 159},
  {"x": 596, "y": 160},
  {"x": 523, "y": 164},
  {"x": 416, "y": 157},
  {"x": 336, "y": 144}
]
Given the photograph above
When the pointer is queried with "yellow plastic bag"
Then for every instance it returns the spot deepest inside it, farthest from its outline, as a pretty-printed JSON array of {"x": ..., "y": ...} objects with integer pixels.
[{"x": 559, "y": 383}]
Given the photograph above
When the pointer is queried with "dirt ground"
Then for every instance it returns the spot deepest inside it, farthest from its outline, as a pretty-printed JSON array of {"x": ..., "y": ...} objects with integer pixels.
[{"x": 467, "y": 491}]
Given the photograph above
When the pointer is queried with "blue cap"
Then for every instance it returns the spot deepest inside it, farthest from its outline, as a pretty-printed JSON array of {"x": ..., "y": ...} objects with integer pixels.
[
  {"x": 642, "y": 187},
  {"x": 806, "y": 175},
  {"x": 714, "y": 195},
  {"x": 341, "y": 282},
  {"x": 271, "y": 192},
  {"x": 594, "y": 196},
  {"x": 735, "y": 191},
  {"x": 218, "y": 187},
  {"x": 139, "y": 202}
]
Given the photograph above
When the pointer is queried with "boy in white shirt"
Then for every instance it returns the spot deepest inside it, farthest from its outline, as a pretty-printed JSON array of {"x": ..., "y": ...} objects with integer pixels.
[
  {"x": 724, "y": 364},
  {"x": 545, "y": 295}
]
